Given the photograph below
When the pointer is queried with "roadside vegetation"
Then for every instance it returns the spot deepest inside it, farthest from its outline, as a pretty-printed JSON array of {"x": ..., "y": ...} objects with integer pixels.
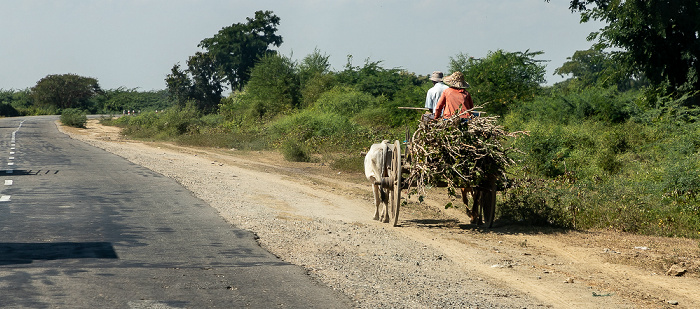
[{"x": 615, "y": 146}]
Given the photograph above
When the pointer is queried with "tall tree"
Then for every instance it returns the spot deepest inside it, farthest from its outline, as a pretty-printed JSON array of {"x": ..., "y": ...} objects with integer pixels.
[
  {"x": 179, "y": 85},
  {"x": 595, "y": 67},
  {"x": 200, "y": 83},
  {"x": 235, "y": 49},
  {"x": 273, "y": 87},
  {"x": 65, "y": 91},
  {"x": 656, "y": 38},
  {"x": 501, "y": 78},
  {"x": 313, "y": 65},
  {"x": 207, "y": 80}
]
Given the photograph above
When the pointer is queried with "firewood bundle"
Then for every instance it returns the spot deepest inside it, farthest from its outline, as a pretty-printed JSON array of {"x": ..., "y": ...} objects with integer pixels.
[{"x": 458, "y": 153}]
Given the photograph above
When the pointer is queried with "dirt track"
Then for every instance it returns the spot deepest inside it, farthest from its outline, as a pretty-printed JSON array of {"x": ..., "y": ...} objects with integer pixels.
[{"x": 312, "y": 216}]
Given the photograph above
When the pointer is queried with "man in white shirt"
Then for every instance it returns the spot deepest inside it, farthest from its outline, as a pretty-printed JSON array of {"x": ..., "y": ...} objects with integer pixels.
[{"x": 434, "y": 93}]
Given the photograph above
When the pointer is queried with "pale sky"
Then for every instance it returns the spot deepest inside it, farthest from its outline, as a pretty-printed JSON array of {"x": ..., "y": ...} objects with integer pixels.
[{"x": 135, "y": 43}]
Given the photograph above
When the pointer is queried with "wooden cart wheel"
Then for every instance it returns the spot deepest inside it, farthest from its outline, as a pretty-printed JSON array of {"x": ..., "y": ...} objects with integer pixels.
[{"x": 395, "y": 198}]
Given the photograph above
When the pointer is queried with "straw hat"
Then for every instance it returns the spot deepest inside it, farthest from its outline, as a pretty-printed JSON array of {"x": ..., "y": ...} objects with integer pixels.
[
  {"x": 456, "y": 80},
  {"x": 436, "y": 76}
]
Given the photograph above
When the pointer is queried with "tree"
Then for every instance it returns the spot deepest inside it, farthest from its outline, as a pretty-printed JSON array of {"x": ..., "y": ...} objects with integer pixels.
[
  {"x": 65, "y": 91},
  {"x": 273, "y": 87},
  {"x": 595, "y": 67},
  {"x": 376, "y": 80},
  {"x": 206, "y": 81},
  {"x": 179, "y": 85},
  {"x": 312, "y": 65},
  {"x": 120, "y": 99},
  {"x": 228, "y": 56},
  {"x": 657, "y": 38},
  {"x": 200, "y": 83},
  {"x": 501, "y": 78},
  {"x": 235, "y": 49}
]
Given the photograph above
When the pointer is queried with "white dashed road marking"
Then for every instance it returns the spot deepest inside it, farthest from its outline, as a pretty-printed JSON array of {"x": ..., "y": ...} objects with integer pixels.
[{"x": 9, "y": 182}]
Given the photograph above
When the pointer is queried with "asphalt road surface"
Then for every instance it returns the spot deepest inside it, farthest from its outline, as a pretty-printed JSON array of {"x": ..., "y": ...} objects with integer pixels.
[{"x": 83, "y": 228}]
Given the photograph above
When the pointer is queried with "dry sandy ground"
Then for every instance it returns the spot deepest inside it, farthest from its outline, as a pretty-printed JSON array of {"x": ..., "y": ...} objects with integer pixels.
[{"x": 321, "y": 220}]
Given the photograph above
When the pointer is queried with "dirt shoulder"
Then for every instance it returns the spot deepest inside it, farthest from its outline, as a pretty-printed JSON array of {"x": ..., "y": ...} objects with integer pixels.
[{"x": 320, "y": 219}]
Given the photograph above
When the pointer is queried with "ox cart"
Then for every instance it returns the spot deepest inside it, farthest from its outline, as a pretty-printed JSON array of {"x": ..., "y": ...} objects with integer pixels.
[{"x": 410, "y": 165}]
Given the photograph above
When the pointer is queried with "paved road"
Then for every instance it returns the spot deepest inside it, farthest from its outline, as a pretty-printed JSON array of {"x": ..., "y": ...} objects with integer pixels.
[{"x": 82, "y": 228}]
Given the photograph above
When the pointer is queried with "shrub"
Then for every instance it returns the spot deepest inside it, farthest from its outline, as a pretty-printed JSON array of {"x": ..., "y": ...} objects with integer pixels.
[
  {"x": 8, "y": 110},
  {"x": 345, "y": 101},
  {"x": 308, "y": 124},
  {"x": 537, "y": 202},
  {"x": 273, "y": 87},
  {"x": 73, "y": 117},
  {"x": 295, "y": 151},
  {"x": 166, "y": 125},
  {"x": 348, "y": 163}
]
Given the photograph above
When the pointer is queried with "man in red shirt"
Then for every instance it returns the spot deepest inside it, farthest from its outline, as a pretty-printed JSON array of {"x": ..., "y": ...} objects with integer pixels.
[{"x": 454, "y": 100}]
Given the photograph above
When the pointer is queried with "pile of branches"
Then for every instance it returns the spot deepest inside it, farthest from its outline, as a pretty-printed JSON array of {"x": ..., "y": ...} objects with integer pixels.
[{"x": 458, "y": 153}]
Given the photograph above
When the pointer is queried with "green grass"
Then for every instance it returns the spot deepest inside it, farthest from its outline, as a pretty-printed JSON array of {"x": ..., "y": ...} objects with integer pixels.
[{"x": 634, "y": 176}]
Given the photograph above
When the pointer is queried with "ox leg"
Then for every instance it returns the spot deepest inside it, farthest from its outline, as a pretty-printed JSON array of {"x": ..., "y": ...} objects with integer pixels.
[
  {"x": 475, "y": 213},
  {"x": 478, "y": 207},
  {"x": 465, "y": 198},
  {"x": 385, "y": 209},
  {"x": 377, "y": 200}
]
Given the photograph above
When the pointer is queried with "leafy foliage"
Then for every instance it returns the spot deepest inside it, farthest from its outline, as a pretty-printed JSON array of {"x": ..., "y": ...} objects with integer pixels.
[
  {"x": 235, "y": 49},
  {"x": 167, "y": 125},
  {"x": 273, "y": 87},
  {"x": 656, "y": 38},
  {"x": 347, "y": 101},
  {"x": 120, "y": 99},
  {"x": 294, "y": 151},
  {"x": 201, "y": 83},
  {"x": 537, "y": 202},
  {"x": 372, "y": 78},
  {"x": 230, "y": 55},
  {"x": 595, "y": 67},
  {"x": 501, "y": 78},
  {"x": 74, "y": 117},
  {"x": 65, "y": 91},
  {"x": 604, "y": 150}
]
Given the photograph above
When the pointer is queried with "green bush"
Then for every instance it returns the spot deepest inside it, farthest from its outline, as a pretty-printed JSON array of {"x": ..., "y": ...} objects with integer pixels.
[
  {"x": 345, "y": 101},
  {"x": 308, "y": 124},
  {"x": 273, "y": 87},
  {"x": 7, "y": 110},
  {"x": 73, "y": 117},
  {"x": 295, "y": 151},
  {"x": 348, "y": 163},
  {"x": 166, "y": 125},
  {"x": 536, "y": 202},
  {"x": 596, "y": 103}
]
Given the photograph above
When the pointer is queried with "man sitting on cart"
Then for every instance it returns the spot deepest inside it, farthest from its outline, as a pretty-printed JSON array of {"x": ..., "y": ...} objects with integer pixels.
[{"x": 455, "y": 99}]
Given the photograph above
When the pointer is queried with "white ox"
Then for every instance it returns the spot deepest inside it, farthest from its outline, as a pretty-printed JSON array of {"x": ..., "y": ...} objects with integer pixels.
[{"x": 375, "y": 169}]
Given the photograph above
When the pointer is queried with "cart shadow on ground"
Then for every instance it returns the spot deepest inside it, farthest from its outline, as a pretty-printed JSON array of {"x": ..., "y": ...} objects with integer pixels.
[{"x": 499, "y": 227}]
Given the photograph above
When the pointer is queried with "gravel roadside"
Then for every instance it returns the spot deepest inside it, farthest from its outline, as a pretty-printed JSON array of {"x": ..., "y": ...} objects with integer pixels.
[
  {"x": 310, "y": 216},
  {"x": 343, "y": 248}
]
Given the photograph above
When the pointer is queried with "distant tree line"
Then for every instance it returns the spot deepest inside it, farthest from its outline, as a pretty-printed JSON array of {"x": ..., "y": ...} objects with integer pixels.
[{"x": 57, "y": 92}]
